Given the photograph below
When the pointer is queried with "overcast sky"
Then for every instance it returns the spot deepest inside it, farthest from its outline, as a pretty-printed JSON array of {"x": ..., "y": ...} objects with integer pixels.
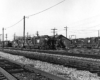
[{"x": 82, "y": 17}]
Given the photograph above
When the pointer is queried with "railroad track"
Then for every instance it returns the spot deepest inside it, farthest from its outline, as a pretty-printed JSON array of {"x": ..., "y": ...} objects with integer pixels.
[
  {"x": 19, "y": 71},
  {"x": 81, "y": 63},
  {"x": 4, "y": 75}
]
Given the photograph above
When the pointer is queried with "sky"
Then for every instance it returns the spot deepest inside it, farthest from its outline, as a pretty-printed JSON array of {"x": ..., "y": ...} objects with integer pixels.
[{"x": 82, "y": 17}]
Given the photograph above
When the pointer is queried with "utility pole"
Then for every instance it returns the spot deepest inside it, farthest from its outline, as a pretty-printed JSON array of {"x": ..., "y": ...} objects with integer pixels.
[
  {"x": 3, "y": 37},
  {"x": 6, "y": 37},
  {"x": 54, "y": 41},
  {"x": 24, "y": 30},
  {"x": 27, "y": 34},
  {"x": 0, "y": 36},
  {"x": 37, "y": 33},
  {"x": 98, "y": 33},
  {"x": 54, "y": 31},
  {"x": 66, "y": 31}
]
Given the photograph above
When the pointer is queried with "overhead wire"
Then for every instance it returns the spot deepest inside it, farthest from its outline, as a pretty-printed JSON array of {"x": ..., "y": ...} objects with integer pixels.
[
  {"x": 85, "y": 19},
  {"x": 48, "y": 9},
  {"x": 35, "y": 14},
  {"x": 79, "y": 31},
  {"x": 94, "y": 26},
  {"x": 14, "y": 24},
  {"x": 45, "y": 9},
  {"x": 86, "y": 29}
]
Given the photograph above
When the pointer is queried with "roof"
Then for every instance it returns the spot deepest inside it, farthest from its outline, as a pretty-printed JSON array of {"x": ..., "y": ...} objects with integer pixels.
[{"x": 60, "y": 36}]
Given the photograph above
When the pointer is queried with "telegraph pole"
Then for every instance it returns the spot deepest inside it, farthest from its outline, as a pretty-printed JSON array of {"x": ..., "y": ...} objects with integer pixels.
[
  {"x": 98, "y": 33},
  {"x": 66, "y": 31},
  {"x": 27, "y": 34},
  {"x": 54, "y": 31},
  {"x": 3, "y": 37},
  {"x": 24, "y": 29},
  {"x": 54, "y": 41},
  {"x": 6, "y": 37},
  {"x": 0, "y": 36},
  {"x": 37, "y": 33}
]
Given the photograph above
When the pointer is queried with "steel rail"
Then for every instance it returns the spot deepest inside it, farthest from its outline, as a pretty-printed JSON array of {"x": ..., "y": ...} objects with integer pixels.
[{"x": 7, "y": 75}]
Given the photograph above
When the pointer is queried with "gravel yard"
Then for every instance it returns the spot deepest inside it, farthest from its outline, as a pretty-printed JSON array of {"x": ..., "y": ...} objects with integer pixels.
[{"x": 60, "y": 70}]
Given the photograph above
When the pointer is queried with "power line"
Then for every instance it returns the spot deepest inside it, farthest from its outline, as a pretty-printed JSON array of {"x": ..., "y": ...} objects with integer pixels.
[
  {"x": 14, "y": 24},
  {"x": 86, "y": 26},
  {"x": 84, "y": 19},
  {"x": 78, "y": 31},
  {"x": 86, "y": 29},
  {"x": 94, "y": 26},
  {"x": 3, "y": 37},
  {"x": 6, "y": 37},
  {"x": 90, "y": 31},
  {"x": 46, "y": 9},
  {"x": 83, "y": 24}
]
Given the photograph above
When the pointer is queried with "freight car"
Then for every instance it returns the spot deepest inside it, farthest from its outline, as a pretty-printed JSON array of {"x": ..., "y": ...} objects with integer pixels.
[{"x": 90, "y": 43}]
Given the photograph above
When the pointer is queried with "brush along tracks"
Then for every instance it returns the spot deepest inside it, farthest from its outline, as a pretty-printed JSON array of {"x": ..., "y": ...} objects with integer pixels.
[{"x": 26, "y": 72}]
